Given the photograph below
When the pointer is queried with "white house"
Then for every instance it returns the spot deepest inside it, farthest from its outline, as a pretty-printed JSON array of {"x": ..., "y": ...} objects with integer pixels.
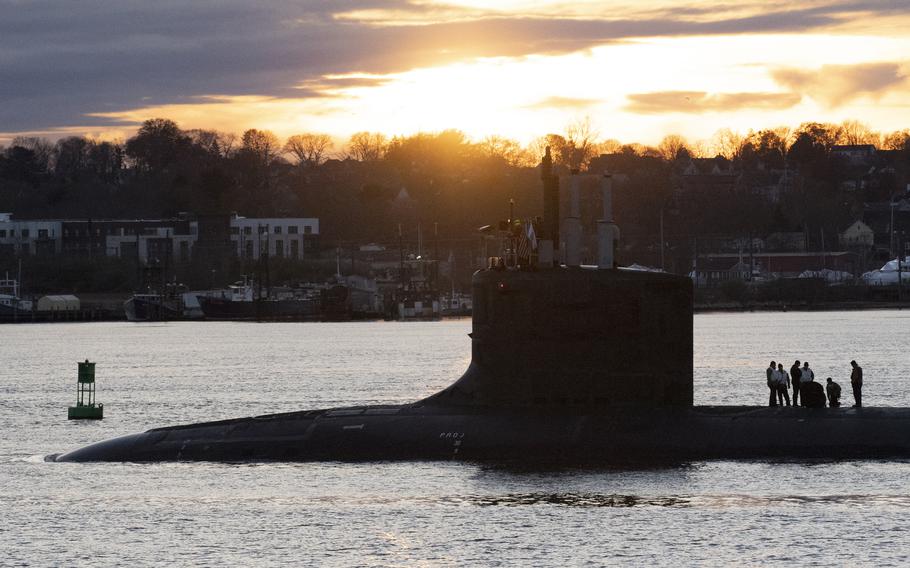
[
  {"x": 858, "y": 234},
  {"x": 38, "y": 237},
  {"x": 282, "y": 237},
  {"x": 152, "y": 242}
]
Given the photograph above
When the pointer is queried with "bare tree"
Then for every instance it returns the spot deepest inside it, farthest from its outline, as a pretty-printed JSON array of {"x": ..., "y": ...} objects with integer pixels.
[
  {"x": 228, "y": 143},
  {"x": 560, "y": 149},
  {"x": 263, "y": 144},
  {"x": 43, "y": 149},
  {"x": 898, "y": 140},
  {"x": 855, "y": 132},
  {"x": 71, "y": 156},
  {"x": 609, "y": 146},
  {"x": 673, "y": 146},
  {"x": 825, "y": 135},
  {"x": 728, "y": 143},
  {"x": 581, "y": 137},
  {"x": 700, "y": 149},
  {"x": 213, "y": 142},
  {"x": 769, "y": 146},
  {"x": 506, "y": 149},
  {"x": 362, "y": 146},
  {"x": 785, "y": 133},
  {"x": 308, "y": 149},
  {"x": 105, "y": 158},
  {"x": 207, "y": 140}
]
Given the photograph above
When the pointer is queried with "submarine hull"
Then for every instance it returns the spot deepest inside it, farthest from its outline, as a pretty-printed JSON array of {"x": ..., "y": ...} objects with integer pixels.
[
  {"x": 567, "y": 365},
  {"x": 410, "y": 432}
]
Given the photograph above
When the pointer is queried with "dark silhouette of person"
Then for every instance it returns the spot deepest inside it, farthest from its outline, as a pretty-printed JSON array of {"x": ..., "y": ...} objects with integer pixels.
[
  {"x": 772, "y": 383},
  {"x": 813, "y": 394},
  {"x": 833, "y": 390},
  {"x": 856, "y": 381},
  {"x": 795, "y": 374},
  {"x": 782, "y": 384}
]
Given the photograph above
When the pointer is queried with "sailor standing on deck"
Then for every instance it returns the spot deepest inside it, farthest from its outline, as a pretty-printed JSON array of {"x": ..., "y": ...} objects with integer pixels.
[
  {"x": 783, "y": 384},
  {"x": 771, "y": 372},
  {"x": 795, "y": 374},
  {"x": 856, "y": 381},
  {"x": 805, "y": 374}
]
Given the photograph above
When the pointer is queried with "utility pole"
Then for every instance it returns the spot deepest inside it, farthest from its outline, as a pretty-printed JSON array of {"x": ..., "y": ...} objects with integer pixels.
[
  {"x": 662, "y": 267},
  {"x": 268, "y": 252},
  {"x": 751, "y": 258},
  {"x": 400, "y": 258},
  {"x": 511, "y": 237},
  {"x": 900, "y": 266},
  {"x": 436, "y": 255},
  {"x": 822, "y": 233},
  {"x": 419, "y": 241}
]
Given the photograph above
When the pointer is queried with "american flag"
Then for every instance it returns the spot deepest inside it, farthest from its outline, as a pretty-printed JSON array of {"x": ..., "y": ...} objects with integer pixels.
[{"x": 527, "y": 241}]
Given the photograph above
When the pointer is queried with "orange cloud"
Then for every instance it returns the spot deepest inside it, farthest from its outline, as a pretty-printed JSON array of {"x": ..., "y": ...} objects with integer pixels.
[
  {"x": 563, "y": 103},
  {"x": 696, "y": 102},
  {"x": 834, "y": 85}
]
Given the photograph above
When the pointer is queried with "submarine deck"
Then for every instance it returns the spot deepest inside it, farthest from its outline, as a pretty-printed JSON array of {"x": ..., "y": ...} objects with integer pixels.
[
  {"x": 422, "y": 431},
  {"x": 706, "y": 411},
  {"x": 470, "y": 410}
]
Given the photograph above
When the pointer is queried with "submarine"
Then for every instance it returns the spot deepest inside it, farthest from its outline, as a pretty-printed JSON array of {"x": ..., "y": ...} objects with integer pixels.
[{"x": 570, "y": 363}]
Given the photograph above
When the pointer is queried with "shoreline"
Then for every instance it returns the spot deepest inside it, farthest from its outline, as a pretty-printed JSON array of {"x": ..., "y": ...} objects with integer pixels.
[
  {"x": 735, "y": 307},
  {"x": 100, "y": 314}
]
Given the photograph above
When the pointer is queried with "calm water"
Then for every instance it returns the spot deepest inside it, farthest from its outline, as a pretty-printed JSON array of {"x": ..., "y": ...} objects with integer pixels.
[{"x": 425, "y": 514}]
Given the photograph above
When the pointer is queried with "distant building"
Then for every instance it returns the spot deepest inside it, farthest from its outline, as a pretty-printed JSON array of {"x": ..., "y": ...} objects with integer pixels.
[
  {"x": 216, "y": 238},
  {"x": 280, "y": 237},
  {"x": 770, "y": 185},
  {"x": 705, "y": 178},
  {"x": 156, "y": 244},
  {"x": 29, "y": 238},
  {"x": 856, "y": 235},
  {"x": 145, "y": 239},
  {"x": 213, "y": 252},
  {"x": 855, "y": 154}
]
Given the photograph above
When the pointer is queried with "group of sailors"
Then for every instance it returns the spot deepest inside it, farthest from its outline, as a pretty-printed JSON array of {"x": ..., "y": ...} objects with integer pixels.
[{"x": 807, "y": 392}]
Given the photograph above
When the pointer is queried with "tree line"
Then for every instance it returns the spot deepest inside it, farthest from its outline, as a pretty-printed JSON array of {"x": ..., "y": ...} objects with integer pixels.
[{"x": 364, "y": 188}]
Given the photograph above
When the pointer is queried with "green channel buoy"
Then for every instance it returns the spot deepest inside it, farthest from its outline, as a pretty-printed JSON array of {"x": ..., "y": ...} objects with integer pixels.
[{"x": 86, "y": 408}]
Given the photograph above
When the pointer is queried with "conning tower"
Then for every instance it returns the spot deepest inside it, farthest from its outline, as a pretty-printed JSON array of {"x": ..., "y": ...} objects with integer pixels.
[{"x": 557, "y": 336}]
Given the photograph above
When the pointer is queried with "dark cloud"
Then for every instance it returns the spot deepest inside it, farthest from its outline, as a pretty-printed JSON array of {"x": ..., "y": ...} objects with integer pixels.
[
  {"x": 696, "y": 102},
  {"x": 62, "y": 60},
  {"x": 322, "y": 84},
  {"x": 834, "y": 85}
]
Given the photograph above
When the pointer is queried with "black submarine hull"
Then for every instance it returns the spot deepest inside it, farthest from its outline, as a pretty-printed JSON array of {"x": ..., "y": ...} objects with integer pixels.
[
  {"x": 420, "y": 432},
  {"x": 572, "y": 364}
]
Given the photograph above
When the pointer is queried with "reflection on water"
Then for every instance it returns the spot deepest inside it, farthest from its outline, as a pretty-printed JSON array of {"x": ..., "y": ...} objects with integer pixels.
[
  {"x": 428, "y": 514},
  {"x": 713, "y": 501},
  {"x": 570, "y": 500}
]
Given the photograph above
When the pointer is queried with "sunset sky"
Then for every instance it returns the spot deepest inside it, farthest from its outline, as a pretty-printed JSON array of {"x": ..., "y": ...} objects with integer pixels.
[{"x": 639, "y": 69}]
